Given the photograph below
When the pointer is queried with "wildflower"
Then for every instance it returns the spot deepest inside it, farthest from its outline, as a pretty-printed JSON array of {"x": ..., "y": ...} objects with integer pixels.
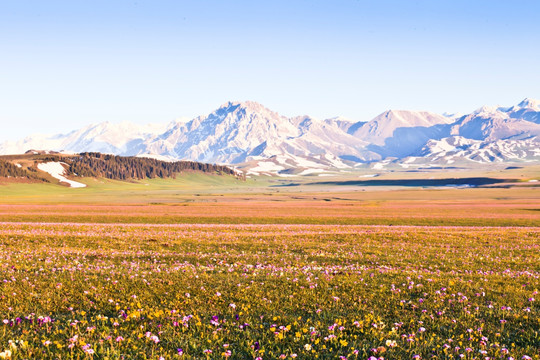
[
  {"x": 88, "y": 349},
  {"x": 120, "y": 338},
  {"x": 391, "y": 343},
  {"x": 307, "y": 347},
  {"x": 180, "y": 351}
]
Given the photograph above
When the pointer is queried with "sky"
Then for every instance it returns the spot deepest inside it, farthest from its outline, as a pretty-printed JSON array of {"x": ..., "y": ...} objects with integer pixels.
[{"x": 68, "y": 64}]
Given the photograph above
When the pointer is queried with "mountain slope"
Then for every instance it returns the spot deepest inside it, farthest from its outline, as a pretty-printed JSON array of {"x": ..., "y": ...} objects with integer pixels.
[
  {"x": 399, "y": 133},
  {"x": 490, "y": 124},
  {"x": 383, "y": 127}
]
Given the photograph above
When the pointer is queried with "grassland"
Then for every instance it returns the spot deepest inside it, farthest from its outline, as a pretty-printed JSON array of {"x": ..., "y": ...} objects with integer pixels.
[
  {"x": 268, "y": 291},
  {"x": 210, "y": 267},
  {"x": 196, "y": 198}
]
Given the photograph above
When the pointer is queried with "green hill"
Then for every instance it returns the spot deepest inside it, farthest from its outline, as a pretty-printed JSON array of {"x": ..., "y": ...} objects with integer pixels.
[{"x": 96, "y": 165}]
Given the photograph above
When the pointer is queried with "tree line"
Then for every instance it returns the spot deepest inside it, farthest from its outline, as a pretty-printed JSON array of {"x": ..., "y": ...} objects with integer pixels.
[
  {"x": 7, "y": 169},
  {"x": 94, "y": 164},
  {"x": 130, "y": 167}
]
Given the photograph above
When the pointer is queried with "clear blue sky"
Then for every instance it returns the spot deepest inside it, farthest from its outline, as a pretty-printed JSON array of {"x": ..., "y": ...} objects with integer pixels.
[{"x": 66, "y": 64}]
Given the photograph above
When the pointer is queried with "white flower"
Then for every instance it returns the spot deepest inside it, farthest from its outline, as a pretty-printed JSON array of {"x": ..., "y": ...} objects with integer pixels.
[
  {"x": 5, "y": 354},
  {"x": 391, "y": 343}
]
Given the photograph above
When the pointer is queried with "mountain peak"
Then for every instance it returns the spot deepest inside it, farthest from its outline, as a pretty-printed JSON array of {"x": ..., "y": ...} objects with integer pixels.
[
  {"x": 530, "y": 103},
  {"x": 248, "y": 105},
  {"x": 487, "y": 110}
]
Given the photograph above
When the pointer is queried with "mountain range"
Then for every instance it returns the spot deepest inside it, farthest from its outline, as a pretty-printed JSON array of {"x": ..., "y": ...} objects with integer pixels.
[{"x": 261, "y": 141}]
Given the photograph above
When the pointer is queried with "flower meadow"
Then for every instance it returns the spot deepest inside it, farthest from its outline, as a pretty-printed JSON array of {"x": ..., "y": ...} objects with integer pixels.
[{"x": 110, "y": 291}]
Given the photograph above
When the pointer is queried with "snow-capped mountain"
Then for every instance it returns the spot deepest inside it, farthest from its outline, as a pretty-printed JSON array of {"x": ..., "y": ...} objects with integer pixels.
[
  {"x": 248, "y": 135},
  {"x": 384, "y": 126},
  {"x": 121, "y": 139},
  {"x": 398, "y": 133},
  {"x": 491, "y": 124},
  {"x": 248, "y": 132}
]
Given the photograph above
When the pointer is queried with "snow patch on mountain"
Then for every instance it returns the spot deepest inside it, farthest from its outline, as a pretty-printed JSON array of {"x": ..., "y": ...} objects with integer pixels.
[{"x": 456, "y": 148}]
